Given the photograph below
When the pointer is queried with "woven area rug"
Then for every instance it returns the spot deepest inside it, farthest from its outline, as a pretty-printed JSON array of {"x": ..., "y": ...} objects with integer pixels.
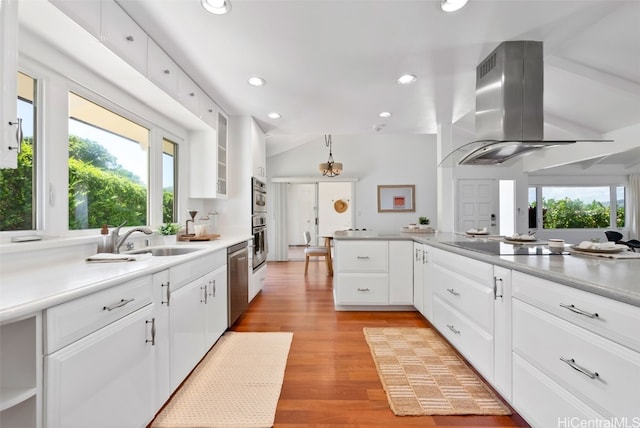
[
  {"x": 422, "y": 375},
  {"x": 237, "y": 384}
]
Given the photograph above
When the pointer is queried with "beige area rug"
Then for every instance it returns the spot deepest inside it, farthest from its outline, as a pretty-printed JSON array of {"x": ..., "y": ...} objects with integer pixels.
[
  {"x": 236, "y": 385},
  {"x": 422, "y": 375}
]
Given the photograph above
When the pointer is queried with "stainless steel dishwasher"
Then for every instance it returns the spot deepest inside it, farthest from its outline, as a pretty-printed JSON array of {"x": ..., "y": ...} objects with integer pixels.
[{"x": 237, "y": 281}]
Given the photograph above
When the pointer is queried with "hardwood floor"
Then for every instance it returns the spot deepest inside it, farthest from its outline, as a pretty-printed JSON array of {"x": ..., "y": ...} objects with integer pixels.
[{"x": 330, "y": 379}]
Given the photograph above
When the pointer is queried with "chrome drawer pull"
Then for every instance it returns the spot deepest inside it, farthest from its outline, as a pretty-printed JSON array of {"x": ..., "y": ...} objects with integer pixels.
[
  {"x": 153, "y": 332},
  {"x": 168, "y": 293},
  {"x": 453, "y": 329},
  {"x": 495, "y": 288},
  {"x": 363, "y": 257},
  {"x": 121, "y": 303},
  {"x": 579, "y": 311},
  {"x": 363, "y": 289},
  {"x": 573, "y": 365},
  {"x": 453, "y": 291}
]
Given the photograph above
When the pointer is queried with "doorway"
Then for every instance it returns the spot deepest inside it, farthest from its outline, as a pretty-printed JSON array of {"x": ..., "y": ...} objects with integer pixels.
[{"x": 301, "y": 212}]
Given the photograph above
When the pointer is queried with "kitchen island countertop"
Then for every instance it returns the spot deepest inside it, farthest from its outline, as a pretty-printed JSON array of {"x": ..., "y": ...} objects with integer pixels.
[{"x": 613, "y": 278}]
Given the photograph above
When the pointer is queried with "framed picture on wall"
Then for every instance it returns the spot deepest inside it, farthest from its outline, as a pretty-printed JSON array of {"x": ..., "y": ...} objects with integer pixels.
[{"x": 396, "y": 198}]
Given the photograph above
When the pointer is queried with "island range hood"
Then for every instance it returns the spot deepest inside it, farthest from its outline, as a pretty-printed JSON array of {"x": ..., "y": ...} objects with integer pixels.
[{"x": 509, "y": 107}]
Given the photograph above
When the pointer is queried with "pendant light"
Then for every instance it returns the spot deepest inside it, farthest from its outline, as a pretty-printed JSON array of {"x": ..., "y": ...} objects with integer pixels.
[{"x": 330, "y": 168}]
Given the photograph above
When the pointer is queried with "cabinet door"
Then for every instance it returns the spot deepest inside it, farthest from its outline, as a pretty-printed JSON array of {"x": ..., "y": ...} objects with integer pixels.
[
  {"x": 189, "y": 94},
  {"x": 105, "y": 379},
  {"x": 203, "y": 155},
  {"x": 258, "y": 148},
  {"x": 502, "y": 331},
  {"x": 222, "y": 155},
  {"x": 418, "y": 277},
  {"x": 400, "y": 273},
  {"x": 9, "y": 82},
  {"x": 162, "y": 70},
  {"x": 186, "y": 329},
  {"x": 427, "y": 273},
  {"x": 161, "y": 301},
  {"x": 216, "y": 306},
  {"x": 123, "y": 36}
]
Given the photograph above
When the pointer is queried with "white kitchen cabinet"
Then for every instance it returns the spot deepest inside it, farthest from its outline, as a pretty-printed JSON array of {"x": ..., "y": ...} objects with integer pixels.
[
  {"x": 105, "y": 379},
  {"x": 86, "y": 13},
  {"x": 123, "y": 36},
  {"x": 161, "y": 296},
  {"x": 21, "y": 373},
  {"x": 400, "y": 273},
  {"x": 258, "y": 150},
  {"x": 9, "y": 83},
  {"x": 463, "y": 307},
  {"x": 189, "y": 93},
  {"x": 198, "y": 317},
  {"x": 362, "y": 272},
  {"x": 222, "y": 156},
  {"x": 257, "y": 280},
  {"x": 208, "y": 111},
  {"x": 502, "y": 366},
  {"x": 161, "y": 69},
  {"x": 418, "y": 277}
]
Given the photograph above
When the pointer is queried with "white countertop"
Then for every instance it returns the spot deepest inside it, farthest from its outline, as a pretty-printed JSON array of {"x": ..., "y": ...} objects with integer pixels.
[
  {"x": 613, "y": 278},
  {"x": 44, "y": 284}
]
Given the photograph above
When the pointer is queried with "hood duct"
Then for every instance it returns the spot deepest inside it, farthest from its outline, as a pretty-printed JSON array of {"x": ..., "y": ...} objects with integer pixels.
[{"x": 509, "y": 107}]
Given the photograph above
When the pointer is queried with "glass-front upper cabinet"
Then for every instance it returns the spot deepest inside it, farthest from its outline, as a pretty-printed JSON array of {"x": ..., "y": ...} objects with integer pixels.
[{"x": 222, "y": 155}]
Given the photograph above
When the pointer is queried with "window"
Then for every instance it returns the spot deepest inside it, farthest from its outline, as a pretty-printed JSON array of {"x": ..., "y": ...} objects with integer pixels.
[
  {"x": 169, "y": 184},
  {"x": 18, "y": 212},
  {"x": 577, "y": 207},
  {"x": 108, "y": 167}
]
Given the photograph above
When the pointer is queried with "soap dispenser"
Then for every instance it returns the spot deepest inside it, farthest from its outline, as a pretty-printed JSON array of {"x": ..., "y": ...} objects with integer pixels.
[{"x": 104, "y": 243}]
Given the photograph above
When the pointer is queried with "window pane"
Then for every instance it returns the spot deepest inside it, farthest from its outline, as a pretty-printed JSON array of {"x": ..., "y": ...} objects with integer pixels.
[
  {"x": 17, "y": 212},
  {"x": 620, "y": 206},
  {"x": 169, "y": 185},
  {"x": 108, "y": 167},
  {"x": 576, "y": 207},
  {"x": 533, "y": 212}
]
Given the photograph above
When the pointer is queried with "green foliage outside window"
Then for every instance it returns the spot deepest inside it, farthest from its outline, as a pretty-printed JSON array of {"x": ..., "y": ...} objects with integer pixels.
[
  {"x": 575, "y": 214},
  {"x": 113, "y": 194}
]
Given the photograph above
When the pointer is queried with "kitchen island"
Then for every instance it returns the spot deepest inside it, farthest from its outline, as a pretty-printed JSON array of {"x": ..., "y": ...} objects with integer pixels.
[{"x": 555, "y": 335}]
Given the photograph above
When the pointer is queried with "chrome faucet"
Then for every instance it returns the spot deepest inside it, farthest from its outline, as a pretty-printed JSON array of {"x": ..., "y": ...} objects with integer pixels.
[{"x": 117, "y": 240}]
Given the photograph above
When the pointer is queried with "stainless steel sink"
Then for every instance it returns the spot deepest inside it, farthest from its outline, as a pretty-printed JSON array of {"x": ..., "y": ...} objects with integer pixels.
[{"x": 165, "y": 251}]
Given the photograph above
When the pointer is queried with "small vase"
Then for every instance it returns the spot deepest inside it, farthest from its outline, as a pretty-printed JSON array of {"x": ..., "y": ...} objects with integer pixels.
[{"x": 169, "y": 239}]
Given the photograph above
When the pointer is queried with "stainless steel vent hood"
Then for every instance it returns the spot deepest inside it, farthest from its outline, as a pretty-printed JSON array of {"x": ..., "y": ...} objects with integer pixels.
[{"x": 509, "y": 107}]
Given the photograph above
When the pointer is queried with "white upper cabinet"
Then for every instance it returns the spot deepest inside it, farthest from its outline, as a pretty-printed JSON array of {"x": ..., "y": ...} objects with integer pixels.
[
  {"x": 208, "y": 111},
  {"x": 161, "y": 69},
  {"x": 86, "y": 13},
  {"x": 223, "y": 135},
  {"x": 9, "y": 83},
  {"x": 258, "y": 148},
  {"x": 189, "y": 94},
  {"x": 123, "y": 36}
]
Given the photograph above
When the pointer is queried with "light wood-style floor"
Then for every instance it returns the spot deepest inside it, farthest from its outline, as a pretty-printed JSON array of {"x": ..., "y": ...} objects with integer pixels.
[{"x": 330, "y": 379}]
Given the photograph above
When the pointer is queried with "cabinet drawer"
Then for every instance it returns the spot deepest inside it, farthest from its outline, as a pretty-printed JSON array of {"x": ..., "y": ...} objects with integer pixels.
[
  {"x": 358, "y": 289},
  {"x": 123, "y": 36},
  {"x": 615, "y": 320},
  {"x": 543, "y": 339},
  {"x": 369, "y": 256},
  {"x": 472, "y": 342},
  {"x": 73, "y": 320},
  {"x": 475, "y": 270},
  {"x": 541, "y": 401},
  {"x": 189, "y": 271},
  {"x": 466, "y": 295}
]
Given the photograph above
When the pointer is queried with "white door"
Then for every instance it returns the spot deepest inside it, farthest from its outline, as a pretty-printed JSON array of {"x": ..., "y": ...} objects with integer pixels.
[
  {"x": 335, "y": 207},
  {"x": 215, "y": 306},
  {"x": 301, "y": 211},
  {"x": 477, "y": 205}
]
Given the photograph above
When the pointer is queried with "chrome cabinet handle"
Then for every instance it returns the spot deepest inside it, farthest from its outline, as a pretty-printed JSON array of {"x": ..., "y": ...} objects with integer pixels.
[
  {"x": 19, "y": 135},
  {"x": 363, "y": 289},
  {"x": 453, "y": 291},
  {"x": 572, "y": 363},
  {"x": 363, "y": 257},
  {"x": 579, "y": 311},
  {"x": 166, "y": 71},
  {"x": 129, "y": 38},
  {"x": 153, "y": 332},
  {"x": 424, "y": 257},
  {"x": 205, "y": 295},
  {"x": 121, "y": 303},
  {"x": 453, "y": 329},
  {"x": 212, "y": 283},
  {"x": 495, "y": 288},
  {"x": 168, "y": 293},
  {"x": 417, "y": 252}
]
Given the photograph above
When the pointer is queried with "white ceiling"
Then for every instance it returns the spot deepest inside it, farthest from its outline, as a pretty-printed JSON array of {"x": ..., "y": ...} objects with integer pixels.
[{"x": 331, "y": 65}]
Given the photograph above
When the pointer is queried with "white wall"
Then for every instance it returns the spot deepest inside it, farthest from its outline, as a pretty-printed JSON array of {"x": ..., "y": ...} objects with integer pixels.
[{"x": 373, "y": 160}]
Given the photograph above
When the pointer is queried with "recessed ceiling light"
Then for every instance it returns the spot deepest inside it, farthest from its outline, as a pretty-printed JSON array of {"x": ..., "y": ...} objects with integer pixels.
[
  {"x": 406, "y": 79},
  {"x": 219, "y": 7},
  {"x": 256, "y": 81},
  {"x": 385, "y": 114},
  {"x": 274, "y": 115},
  {"x": 452, "y": 5}
]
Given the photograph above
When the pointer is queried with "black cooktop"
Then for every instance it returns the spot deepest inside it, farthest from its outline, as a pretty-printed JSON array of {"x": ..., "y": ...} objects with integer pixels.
[{"x": 502, "y": 248}]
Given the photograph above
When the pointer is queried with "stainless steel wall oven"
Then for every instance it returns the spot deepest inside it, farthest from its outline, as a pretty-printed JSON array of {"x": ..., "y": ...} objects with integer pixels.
[{"x": 259, "y": 223}]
